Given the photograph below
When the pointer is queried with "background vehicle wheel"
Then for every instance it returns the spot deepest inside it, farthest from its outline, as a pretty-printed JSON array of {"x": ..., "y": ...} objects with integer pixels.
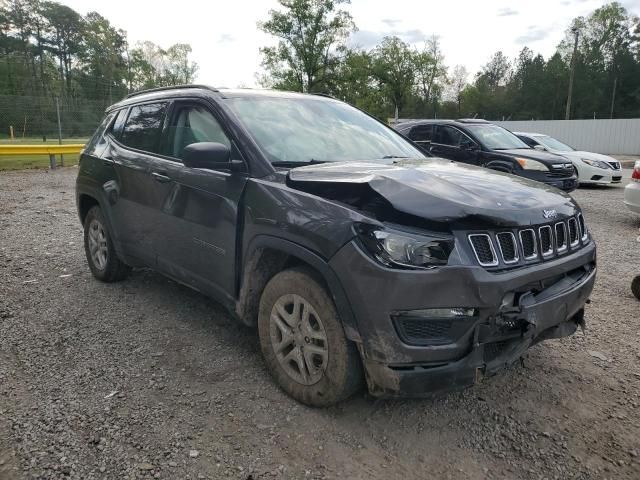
[
  {"x": 635, "y": 287},
  {"x": 98, "y": 246},
  {"x": 303, "y": 342}
]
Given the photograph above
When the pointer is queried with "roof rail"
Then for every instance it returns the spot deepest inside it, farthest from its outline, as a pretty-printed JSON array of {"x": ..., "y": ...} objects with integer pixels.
[
  {"x": 472, "y": 120},
  {"x": 172, "y": 87}
]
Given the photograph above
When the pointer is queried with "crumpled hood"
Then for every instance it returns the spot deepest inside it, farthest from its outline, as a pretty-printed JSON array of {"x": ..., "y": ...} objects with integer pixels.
[{"x": 442, "y": 191}]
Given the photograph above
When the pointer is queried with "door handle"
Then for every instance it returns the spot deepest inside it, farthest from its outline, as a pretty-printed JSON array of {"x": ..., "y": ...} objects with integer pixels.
[
  {"x": 107, "y": 160},
  {"x": 160, "y": 177}
]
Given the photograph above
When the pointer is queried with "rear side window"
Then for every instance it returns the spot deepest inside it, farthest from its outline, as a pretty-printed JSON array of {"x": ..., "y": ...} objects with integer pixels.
[
  {"x": 421, "y": 133},
  {"x": 98, "y": 137},
  {"x": 118, "y": 123},
  {"x": 143, "y": 127}
]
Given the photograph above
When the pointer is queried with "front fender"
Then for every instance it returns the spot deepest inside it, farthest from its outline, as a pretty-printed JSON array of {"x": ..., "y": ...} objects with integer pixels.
[{"x": 266, "y": 255}]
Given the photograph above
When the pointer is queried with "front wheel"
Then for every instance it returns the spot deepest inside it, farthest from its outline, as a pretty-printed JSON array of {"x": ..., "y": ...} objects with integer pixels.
[
  {"x": 303, "y": 342},
  {"x": 98, "y": 246}
]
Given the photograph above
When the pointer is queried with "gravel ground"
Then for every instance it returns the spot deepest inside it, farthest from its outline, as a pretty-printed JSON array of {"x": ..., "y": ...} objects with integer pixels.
[{"x": 148, "y": 379}]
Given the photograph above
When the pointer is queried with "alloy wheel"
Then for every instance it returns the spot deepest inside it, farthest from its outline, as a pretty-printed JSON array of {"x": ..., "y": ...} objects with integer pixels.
[
  {"x": 98, "y": 244},
  {"x": 298, "y": 339}
]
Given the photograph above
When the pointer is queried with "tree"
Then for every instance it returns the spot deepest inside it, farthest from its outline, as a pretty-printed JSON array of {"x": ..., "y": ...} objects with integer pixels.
[
  {"x": 394, "y": 70},
  {"x": 495, "y": 73},
  {"x": 178, "y": 68},
  {"x": 64, "y": 37},
  {"x": 458, "y": 82},
  {"x": 311, "y": 35},
  {"x": 430, "y": 70},
  {"x": 102, "y": 58},
  {"x": 149, "y": 65}
]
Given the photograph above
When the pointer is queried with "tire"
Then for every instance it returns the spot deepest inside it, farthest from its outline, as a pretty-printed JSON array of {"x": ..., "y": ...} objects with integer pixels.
[
  {"x": 635, "y": 287},
  {"x": 319, "y": 366},
  {"x": 105, "y": 265}
]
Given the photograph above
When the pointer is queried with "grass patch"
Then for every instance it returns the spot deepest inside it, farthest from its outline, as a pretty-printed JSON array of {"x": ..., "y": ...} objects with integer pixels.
[{"x": 19, "y": 162}]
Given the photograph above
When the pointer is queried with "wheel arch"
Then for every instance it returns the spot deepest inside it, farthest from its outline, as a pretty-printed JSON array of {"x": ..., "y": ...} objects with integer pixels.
[
  {"x": 267, "y": 256},
  {"x": 85, "y": 203}
]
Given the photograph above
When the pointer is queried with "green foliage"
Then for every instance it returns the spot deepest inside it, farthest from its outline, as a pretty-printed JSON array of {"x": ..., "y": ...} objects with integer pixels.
[
  {"x": 393, "y": 68},
  {"x": 311, "y": 36},
  {"x": 48, "y": 49},
  {"x": 417, "y": 82}
]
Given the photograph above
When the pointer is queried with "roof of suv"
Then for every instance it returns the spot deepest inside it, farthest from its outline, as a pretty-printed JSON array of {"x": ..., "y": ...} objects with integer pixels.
[
  {"x": 191, "y": 89},
  {"x": 458, "y": 122}
]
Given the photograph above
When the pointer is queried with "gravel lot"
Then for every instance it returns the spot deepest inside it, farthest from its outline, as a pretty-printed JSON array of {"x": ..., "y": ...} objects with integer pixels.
[{"x": 148, "y": 379}]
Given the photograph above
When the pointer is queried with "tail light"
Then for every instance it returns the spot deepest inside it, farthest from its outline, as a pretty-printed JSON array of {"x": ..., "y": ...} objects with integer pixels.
[{"x": 635, "y": 176}]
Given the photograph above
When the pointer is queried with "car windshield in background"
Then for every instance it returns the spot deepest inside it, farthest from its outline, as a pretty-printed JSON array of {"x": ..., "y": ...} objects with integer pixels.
[
  {"x": 494, "y": 137},
  {"x": 553, "y": 144},
  {"x": 297, "y": 130}
]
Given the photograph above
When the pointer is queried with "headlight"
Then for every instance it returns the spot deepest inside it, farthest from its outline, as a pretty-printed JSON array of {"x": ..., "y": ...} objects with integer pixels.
[
  {"x": 405, "y": 250},
  {"x": 528, "y": 164},
  {"x": 595, "y": 163}
]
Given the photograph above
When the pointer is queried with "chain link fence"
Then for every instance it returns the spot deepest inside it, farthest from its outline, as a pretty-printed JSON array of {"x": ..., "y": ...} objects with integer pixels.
[{"x": 31, "y": 119}]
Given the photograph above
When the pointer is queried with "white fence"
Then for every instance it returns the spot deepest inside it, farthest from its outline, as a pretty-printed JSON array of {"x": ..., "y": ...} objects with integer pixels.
[{"x": 621, "y": 137}]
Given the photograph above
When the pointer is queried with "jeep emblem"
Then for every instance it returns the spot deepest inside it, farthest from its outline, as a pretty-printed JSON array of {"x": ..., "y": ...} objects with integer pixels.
[{"x": 549, "y": 214}]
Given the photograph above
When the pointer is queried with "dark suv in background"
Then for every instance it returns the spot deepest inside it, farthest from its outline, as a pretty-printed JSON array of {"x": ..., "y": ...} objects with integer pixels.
[
  {"x": 354, "y": 255},
  {"x": 481, "y": 143}
]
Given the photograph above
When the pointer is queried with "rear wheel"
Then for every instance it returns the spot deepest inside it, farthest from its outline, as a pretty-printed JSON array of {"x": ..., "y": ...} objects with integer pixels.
[
  {"x": 303, "y": 342},
  {"x": 98, "y": 246}
]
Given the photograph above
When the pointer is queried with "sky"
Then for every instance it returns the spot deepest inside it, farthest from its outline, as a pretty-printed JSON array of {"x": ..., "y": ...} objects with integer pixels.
[{"x": 226, "y": 40}]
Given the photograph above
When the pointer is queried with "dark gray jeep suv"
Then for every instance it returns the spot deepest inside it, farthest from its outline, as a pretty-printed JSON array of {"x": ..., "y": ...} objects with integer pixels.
[{"x": 356, "y": 256}]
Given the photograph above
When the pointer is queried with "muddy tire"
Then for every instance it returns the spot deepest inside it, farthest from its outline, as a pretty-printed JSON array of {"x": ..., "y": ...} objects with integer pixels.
[
  {"x": 635, "y": 287},
  {"x": 303, "y": 342},
  {"x": 98, "y": 247}
]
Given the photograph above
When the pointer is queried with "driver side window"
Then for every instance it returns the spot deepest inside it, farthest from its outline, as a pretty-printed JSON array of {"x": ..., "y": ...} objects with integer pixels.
[
  {"x": 448, "y": 136},
  {"x": 192, "y": 123}
]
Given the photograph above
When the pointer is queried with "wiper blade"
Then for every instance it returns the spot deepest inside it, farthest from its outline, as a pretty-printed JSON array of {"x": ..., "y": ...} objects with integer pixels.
[
  {"x": 394, "y": 156},
  {"x": 291, "y": 164}
]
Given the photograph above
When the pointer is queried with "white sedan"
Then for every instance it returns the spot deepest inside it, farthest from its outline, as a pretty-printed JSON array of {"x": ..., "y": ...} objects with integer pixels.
[
  {"x": 590, "y": 167},
  {"x": 632, "y": 191}
]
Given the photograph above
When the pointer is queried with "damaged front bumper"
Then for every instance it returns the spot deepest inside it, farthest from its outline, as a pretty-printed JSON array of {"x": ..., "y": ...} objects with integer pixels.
[{"x": 515, "y": 310}]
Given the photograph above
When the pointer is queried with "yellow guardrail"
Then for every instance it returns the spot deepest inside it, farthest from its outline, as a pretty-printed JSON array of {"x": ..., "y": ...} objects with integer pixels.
[
  {"x": 69, "y": 148},
  {"x": 46, "y": 149}
]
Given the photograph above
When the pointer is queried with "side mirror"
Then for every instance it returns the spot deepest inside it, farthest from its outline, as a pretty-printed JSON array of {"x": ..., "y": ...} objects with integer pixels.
[
  {"x": 210, "y": 155},
  {"x": 540, "y": 147}
]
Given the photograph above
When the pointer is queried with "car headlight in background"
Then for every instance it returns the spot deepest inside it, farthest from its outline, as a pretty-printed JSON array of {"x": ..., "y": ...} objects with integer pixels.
[
  {"x": 405, "y": 250},
  {"x": 528, "y": 164},
  {"x": 595, "y": 163}
]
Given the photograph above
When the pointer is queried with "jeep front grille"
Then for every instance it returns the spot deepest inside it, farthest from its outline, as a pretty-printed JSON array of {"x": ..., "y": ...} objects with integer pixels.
[
  {"x": 574, "y": 237},
  {"x": 546, "y": 241},
  {"x": 483, "y": 248},
  {"x": 529, "y": 244},
  {"x": 584, "y": 235},
  {"x": 507, "y": 246},
  {"x": 561, "y": 237},
  {"x": 523, "y": 246}
]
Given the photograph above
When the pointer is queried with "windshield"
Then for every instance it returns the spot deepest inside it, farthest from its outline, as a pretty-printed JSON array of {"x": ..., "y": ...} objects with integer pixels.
[
  {"x": 494, "y": 137},
  {"x": 553, "y": 144},
  {"x": 302, "y": 130}
]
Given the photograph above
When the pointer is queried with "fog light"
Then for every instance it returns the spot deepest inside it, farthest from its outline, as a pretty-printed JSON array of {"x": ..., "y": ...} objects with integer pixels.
[{"x": 433, "y": 326}]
